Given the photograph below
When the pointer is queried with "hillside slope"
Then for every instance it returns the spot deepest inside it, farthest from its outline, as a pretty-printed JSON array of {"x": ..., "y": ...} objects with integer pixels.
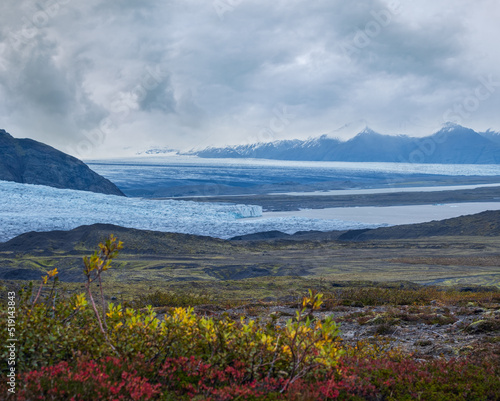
[
  {"x": 30, "y": 162},
  {"x": 85, "y": 239},
  {"x": 485, "y": 224}
]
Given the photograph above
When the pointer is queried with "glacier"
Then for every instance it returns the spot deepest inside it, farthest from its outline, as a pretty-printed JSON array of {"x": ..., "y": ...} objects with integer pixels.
[
  {"x": 175, "y": 176},
  {"x": 26, "y": 207}
]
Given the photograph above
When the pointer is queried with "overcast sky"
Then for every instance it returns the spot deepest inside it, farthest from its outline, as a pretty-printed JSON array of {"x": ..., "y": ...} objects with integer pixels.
[{"x": 95, "y": 77}]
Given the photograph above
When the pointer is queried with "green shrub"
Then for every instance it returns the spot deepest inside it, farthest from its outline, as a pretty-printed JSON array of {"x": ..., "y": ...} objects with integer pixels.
[{"x": 171, "y": 298}]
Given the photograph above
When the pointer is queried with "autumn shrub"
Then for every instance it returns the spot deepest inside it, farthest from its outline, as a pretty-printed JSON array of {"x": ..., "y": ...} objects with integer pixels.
[
  {"x": 192, "y": 378},
  {"x": 107, "y": 379},
  {"x": 410, "y": 379},
  {"x": 49, "y": 334},
  {"x": 52, "y": 331}
]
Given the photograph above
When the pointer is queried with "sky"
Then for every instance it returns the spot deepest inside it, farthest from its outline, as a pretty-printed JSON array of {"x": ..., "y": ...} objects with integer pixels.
[{"x": 99, "y": 78}]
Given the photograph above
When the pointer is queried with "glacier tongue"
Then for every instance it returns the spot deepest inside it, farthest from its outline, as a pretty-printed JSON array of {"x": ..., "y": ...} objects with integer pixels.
[{"x": 25, "y": 207}]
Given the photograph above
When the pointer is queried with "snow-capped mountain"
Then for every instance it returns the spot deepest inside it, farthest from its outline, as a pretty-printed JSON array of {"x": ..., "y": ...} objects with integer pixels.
[
  {"x": 158, "y": 151},
  {"x": 453, "y": 144}
]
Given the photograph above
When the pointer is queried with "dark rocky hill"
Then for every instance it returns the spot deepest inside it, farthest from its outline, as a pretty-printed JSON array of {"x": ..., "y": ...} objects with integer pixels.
[
  {"x": 486, "y": 224},
  {"x": 84, "y": 239},
  {"x": 30, "y": 162}
]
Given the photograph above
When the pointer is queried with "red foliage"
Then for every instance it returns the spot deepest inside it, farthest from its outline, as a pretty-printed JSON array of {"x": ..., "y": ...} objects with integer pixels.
[
  {"x": 187, "y": 378},
  {"x": 107, "y": 379},
  {"x": 193, "y": 377}
]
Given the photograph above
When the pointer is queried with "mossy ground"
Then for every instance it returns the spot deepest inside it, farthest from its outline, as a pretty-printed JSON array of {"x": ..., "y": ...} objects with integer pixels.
[{"x": 434, "y": 260}]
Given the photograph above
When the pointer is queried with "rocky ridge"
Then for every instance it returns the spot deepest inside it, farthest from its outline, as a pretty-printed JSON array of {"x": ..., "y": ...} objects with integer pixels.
[{"x": 30, "y": 162}]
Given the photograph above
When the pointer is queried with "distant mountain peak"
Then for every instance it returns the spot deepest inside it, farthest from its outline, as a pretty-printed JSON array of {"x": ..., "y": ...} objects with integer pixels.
[
  {"x": 368, "y": 131},
  {"x": 490, "y": 131},
  {"x": 158, "y": 151},
  {"x": 452, "y": 127},
  {"x": 454, "y": 131}
]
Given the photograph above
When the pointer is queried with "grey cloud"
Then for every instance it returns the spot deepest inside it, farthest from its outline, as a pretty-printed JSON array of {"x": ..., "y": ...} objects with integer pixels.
[
  {"x": 159, "y": 96},
  {"x": 36, "y": 86},
  {"x": 224, "y": 77}
]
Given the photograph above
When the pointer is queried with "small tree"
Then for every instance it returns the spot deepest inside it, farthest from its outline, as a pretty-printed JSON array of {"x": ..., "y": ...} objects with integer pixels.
[{"x": 99, "y": 262}]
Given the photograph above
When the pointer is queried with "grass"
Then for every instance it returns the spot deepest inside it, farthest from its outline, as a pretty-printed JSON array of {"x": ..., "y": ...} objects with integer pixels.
[
  {"x": 446, "y": 261},
  {"x": 280, "y": 290}
]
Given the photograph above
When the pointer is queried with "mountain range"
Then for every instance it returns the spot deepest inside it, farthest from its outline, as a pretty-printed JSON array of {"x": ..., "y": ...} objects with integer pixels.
[
  {"x": 453, "y": 144},
  {"x": 30, "y": 162}
]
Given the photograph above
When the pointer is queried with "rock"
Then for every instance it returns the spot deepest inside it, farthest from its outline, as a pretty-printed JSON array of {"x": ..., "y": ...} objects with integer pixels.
[
  {"x": 376, "y": 320},
  {"x": 457, "y": 325},
  {"x": 467, "y": 348},
  {"x": 423, "y": 343},
  {"x": 30, "y": 162},
  {"x": 483, "y": 326},
  {"x": 443, "y": 350},
  {"x": 383, "y": 329}
]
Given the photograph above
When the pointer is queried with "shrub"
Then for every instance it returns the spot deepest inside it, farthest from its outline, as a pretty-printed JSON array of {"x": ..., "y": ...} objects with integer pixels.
[
  {"x": 53, "y": 331},
  {"x": 409, "y": 379},
  {"x": 107, "y": 379},
  {"x": 168, "y": 298}
]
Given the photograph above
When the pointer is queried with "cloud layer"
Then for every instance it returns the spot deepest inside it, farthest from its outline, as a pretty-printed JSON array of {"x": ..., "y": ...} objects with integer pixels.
[{"x": 98, "y": 78}]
